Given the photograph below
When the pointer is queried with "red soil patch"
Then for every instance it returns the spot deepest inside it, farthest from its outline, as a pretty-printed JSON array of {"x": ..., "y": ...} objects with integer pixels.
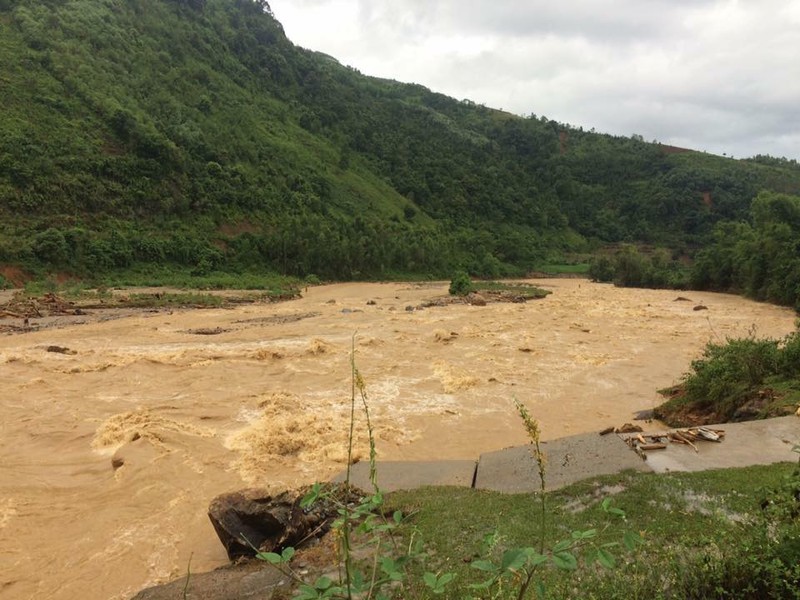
[
  {"x": 15, "y": 275},
  {"x": 233, "y": 229},
  {"x": 666, "y": 149},
  {"x": 62, "y": 278}
]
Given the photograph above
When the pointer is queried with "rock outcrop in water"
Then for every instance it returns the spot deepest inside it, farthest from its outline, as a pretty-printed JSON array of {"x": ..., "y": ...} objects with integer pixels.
[{"x": 252, "y": 520}]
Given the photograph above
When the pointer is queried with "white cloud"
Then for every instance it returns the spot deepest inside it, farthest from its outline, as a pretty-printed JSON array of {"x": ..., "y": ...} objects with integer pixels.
[{"x": 716, "y": 75}]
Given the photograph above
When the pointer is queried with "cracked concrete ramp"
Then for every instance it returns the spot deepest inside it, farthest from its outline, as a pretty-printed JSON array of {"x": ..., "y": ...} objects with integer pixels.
[
  {"x": 578, "y": 457},
  {"x": 569, "y": 460}
]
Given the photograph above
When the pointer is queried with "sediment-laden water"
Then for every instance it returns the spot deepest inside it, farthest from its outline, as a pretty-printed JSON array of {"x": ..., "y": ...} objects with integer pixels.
[{"x": 110, "y": 455}]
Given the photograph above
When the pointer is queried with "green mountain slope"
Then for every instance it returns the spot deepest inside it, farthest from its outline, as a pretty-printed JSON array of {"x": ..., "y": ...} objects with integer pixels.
[{"x": 194, "y": 133}]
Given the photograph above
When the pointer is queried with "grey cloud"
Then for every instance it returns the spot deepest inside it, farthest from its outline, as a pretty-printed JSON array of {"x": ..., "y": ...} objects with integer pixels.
[
  {"x": 716, "y": 75},
  {"x": 618, "y": 20}
]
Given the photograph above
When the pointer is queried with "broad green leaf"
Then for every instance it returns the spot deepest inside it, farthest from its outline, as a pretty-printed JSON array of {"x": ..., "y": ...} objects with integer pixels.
[
  {"x": 562, "y": 545},
  {"x": 398, "y": 516},
  {"x": 311, "y": 496},
  {"x": 306, "y": 592},
  {"x": 358, "y": 579},
  {"x": 537, "y": 560},
  {"x": 606, "y": 504},
  {"x": 391, "y": 568},
  {"x": 388, "y": 564},
  {"x": 513, "y": 559},
  {"x": 565, "y": 561},
  {"x": 437, "y": 584},
  {"x": 631, "y": 539},
  {"x": 590, "y": 556},
  {"x": 484, "y": 565},
  {"x": 270, "y": 557},
  {"x": 287, "y": 554},
  {"x": 584, "y": 535},
  {"x": 483, "y": 585},
  {"x": 605, "y": 558},
  {"x": 323, "y": 583}
]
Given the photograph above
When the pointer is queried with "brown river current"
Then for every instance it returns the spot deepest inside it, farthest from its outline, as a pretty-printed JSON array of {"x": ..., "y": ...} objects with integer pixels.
[{"x": 110, "y": 456}]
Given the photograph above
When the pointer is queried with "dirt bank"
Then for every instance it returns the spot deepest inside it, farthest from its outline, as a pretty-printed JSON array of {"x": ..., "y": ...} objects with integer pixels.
[{"x": 111, "y": 451}]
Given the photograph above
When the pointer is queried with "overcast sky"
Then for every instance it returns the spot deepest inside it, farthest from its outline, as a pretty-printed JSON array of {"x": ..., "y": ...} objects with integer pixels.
[{"x": 719, "y": 76}]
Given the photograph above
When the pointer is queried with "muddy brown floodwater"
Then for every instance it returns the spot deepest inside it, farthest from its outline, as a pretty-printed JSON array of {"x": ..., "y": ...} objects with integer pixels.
[{"x": 111, "y": 454}]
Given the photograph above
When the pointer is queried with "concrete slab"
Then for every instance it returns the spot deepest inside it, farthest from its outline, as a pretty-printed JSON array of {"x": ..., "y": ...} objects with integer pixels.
[
  {"x": 749, "y": 443},
  {"x": 578, "y": 457},
  {"x": 569, "y": 460},
  {"x": 401, "y": 475}
]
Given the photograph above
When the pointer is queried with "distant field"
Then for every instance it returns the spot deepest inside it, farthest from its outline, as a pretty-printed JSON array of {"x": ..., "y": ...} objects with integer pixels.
[{"x": 562, "y": 269}]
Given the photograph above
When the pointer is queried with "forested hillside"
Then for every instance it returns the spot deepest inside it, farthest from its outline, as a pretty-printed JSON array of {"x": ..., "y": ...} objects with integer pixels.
[
  {"x": 194, "y": 133},
  {"x": 760, "y": 257}
]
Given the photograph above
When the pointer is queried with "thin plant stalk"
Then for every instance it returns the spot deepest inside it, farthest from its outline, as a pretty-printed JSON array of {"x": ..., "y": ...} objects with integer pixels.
[
  {"x": 362, "y": 389},
  {"x": 345, "y": 531},
  {"x": 188, "y": 576},
  {"x": 534, "y": 434}
]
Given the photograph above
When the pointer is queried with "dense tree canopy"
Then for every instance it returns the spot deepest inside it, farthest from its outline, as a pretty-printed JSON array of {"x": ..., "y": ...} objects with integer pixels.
[
  {"x": 760, "y": 258},
  {"x": 194, "y": 132}
]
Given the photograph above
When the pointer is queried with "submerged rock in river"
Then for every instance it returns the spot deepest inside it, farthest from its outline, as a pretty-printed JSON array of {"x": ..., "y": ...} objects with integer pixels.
[{"x": 252, "y": 520}]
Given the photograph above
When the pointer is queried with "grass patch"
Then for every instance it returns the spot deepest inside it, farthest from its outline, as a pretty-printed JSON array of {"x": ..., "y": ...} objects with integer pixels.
[
  {"x": 83, "y": 296},
  {"x": 71, "y": 290},
  {"x": 259, "y": 287},
  {"x": 564, "y": 269},
  {"x": 274, "y": 284},
  {"x": 524, "y": 290},
  {"x": 700, "y": 532},
  {"x": 462, "y": 285},
  {"x": 167, "y": 300}
]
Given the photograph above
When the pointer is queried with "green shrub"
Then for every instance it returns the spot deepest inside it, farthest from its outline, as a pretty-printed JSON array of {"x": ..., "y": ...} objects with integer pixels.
[
  {"x": 461, "y": 284},
  {"x": 631, "y": 268},
  {"x": 50, "y": 246},
  {"x": 790, "y": 356},
  {"x": 728, "y": 373},
  {"x": 601, "y": 269}
]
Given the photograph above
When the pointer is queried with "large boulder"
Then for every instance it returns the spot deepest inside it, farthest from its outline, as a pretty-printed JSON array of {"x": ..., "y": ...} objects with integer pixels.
[
  {"x": 475, "y": 299},
  {"x": 253, "y": 520}
]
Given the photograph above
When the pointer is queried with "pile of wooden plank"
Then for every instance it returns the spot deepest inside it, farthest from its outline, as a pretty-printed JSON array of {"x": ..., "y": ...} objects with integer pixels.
[
  {"x": 643, "y": 442},
  {"x": 22, "y": 306}
]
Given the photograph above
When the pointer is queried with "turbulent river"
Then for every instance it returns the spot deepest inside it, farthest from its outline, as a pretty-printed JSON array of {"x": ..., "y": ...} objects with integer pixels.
[{"x": 109, "y": 455}]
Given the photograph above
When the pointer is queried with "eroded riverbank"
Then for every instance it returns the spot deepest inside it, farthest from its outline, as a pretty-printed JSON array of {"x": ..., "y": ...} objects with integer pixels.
[{"x": 111, "y": 454}]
